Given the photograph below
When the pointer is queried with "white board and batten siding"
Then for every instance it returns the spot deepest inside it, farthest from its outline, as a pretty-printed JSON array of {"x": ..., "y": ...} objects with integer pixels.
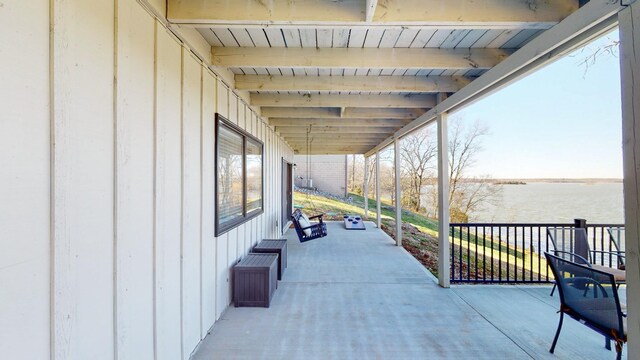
[
  {"x": 108, "y": 243},
  {"x": 83, "y": 179},
  {"x": 25, "y": 266},
  {"x": 134, "y": 182}
]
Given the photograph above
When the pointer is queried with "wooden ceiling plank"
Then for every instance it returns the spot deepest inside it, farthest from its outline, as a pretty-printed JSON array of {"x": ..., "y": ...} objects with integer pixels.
[
  {"x": 460, "y": 13},
  {"x": 333, "y": 112},
  {"x": 358, "y": 58},
  {"x": 326, "y": 100},
  {"x": 336, "y": 122},
  {"x": 335, "y": 129},
  {"x": 419, "y": 84}
]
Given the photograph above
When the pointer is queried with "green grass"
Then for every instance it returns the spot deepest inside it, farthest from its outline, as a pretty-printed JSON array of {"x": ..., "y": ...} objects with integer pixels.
[
  {"x": 320, "y": 204},
  {"x": 423, "y": 244}
]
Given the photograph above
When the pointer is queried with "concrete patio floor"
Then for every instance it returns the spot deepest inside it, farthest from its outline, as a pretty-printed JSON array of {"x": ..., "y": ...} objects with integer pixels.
[{"x": 355, "y": 295}]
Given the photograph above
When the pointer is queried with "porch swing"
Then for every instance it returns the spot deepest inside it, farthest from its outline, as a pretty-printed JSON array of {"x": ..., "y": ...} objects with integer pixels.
[{"x": 304, "y": 229}]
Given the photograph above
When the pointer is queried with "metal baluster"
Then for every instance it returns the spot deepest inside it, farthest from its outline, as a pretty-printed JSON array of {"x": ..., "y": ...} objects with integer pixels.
[
  {"x": 453, "y": 256},
  {"x": 475, "y": 239},
  {"x": 492, "y": 254},
  {"x": 507, "y": 255},
  {"x": 469, "y": 253},
  {"x": 484, "y": 254}
]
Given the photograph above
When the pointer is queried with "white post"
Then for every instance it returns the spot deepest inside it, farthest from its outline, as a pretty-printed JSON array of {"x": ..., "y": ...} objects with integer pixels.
[
  {"x": 378, "y": 217},
  {"x": 443, "y": 202},
  {"x": 366, "y": 188},
  {"x": 398, "y": 193},
  {"x": 630, "y": 78}
]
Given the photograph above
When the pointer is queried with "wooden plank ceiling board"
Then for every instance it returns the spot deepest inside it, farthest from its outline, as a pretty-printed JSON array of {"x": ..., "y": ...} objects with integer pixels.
[
  {"x": 336, "y": 122},
  {"x": 358, "y": 58},
  {"x": 354, "y": 71},
  {"x": 367, "y": 101},
  {"x": 427, "y": 13},
  {"x": 389, "y": 84}
]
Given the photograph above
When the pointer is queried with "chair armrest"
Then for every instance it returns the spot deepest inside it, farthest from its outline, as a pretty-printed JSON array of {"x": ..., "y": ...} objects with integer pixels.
[
  {"x": 585, "y": 261},
  {"x": 616, "y": 253},
  {"x": 316, "y": 216}
]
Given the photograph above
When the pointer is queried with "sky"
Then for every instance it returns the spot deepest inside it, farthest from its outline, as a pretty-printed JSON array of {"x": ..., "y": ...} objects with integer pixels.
[{"x": 563, "y": 121}]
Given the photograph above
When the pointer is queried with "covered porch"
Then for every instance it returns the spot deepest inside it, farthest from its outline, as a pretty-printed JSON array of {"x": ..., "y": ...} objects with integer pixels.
[
  {"x": 118, "y": 241},
  {"x": 354, "y": 294}
]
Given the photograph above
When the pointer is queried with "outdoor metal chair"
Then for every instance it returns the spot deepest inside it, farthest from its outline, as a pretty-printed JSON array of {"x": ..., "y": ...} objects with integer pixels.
[
  {"x": 311, "y": 231},
  {"x": 589, "y": 296},
  {"x": 571, "y": 243},
  {"x": 617, "y": 240}
]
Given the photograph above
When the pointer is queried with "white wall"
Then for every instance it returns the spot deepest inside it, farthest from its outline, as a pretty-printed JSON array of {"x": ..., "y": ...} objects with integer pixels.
[
  {"x": 107, "y": 185},
  {"x": 328, "y": 172},
  {"x": 24, "y": 179}
]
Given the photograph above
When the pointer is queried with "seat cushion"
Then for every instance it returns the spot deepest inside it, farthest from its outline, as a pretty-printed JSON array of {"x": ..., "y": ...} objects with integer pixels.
[
  {"x": 304, "y": 222},
  {"x": 619, "y": 275}
]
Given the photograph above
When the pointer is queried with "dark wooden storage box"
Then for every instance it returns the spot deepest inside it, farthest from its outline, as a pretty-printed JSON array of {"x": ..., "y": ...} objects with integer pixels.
[
  {"x": 255, "y": 279},
  {"x": 274, "y": 246}
]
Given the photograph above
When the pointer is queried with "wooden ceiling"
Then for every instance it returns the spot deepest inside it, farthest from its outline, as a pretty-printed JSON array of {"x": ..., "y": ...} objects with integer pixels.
[{"x": 340, "y": 76}]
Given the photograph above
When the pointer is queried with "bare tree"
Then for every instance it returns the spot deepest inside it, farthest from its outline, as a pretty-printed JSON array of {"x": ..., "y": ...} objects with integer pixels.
[
  {"x": 467, "y": 194},
  {"x": 387, "y": 174},
  {"x": 417, "y": 153}
]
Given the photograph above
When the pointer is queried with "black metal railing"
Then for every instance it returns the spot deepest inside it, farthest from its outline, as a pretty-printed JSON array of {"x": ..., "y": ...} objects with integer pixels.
[{"x": 514, "y": 252}]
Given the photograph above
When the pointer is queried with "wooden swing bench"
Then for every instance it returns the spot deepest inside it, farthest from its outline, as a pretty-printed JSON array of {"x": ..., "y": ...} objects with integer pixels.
[{"x": 307, "y": 231}]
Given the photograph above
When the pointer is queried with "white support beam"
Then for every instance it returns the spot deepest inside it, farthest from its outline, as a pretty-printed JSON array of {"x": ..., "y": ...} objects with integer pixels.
[
  {"x": 353, "y": 58},
  {"x": 378, "y": 207},
  {"x": 394, "y": 84},
  {"x": 398, "y": 190},
  {"x": 284, "y": 122},
  {"x": 466, "y": 14},
  {"x": 365, "y": 187},
  {"x": 334, "y": 129},
  {"x": 335, "y": 113},
  {"x": 326, "y": 100},
  {"x": 331, "y": 150},
  {"x": 333, "y": 147},
  {"x": 629, "y": 19},
  {"x": 334, "y": 137},
  {"x": 591, "y": 20},
  {"x": 370, "y": 10},
  {"x": 443, "y": 203},
  {"x": 370, "y": 143}
]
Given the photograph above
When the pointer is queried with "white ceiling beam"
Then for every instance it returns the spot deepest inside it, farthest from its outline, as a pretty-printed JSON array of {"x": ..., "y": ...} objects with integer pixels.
[
  {"x": 371, "y": 10},
  {"x": 333, "y": 112},
  {"x": 424, "y": 84},
  {"x": 353, "y": 58},
  {"x": 302, "y": 138},
  {"x": 325, "y": 100},
  {"x": 329, "y": 152},
  {"x": 289, "y": 130},
  {"x": 538, "y": 14},
  {"x": 337, "y": 150},
  {"x": 329, "y": 136},
  {"x": 327, "y": 144},
  {"x": 590, "y": 21},
  {"x": 337, "y": 122},
  {"x": 486, "y": 14}
]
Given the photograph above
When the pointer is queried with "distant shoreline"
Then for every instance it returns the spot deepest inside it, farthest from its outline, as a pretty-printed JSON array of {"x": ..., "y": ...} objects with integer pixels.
[{"x": 551, "y": 180}]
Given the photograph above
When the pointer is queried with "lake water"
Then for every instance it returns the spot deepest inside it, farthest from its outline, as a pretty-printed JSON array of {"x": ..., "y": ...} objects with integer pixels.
[{"x": 556, "y": 202}]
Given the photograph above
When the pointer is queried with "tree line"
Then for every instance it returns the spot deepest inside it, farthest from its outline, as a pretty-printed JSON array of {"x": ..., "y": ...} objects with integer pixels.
[{"x": 418, "y": 172}]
